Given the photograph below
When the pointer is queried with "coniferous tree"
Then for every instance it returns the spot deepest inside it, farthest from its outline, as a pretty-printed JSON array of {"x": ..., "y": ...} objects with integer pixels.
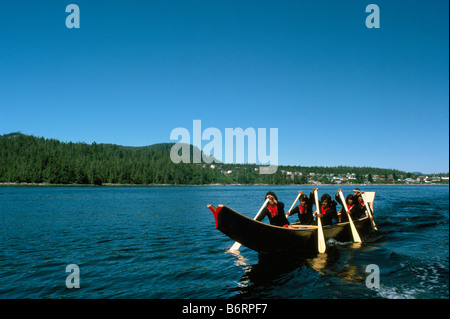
[{"x": 28, "y": 159}]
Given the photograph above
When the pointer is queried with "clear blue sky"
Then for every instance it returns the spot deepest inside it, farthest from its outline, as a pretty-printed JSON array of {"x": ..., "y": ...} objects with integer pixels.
[{"x": 338, "y": 92}]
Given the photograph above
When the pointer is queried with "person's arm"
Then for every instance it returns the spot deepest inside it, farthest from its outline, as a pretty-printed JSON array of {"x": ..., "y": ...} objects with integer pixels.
[
  {"x": 294, "y": 211},
  {"x": 330, "y": 214},
  {"x": 333, "y": 204},
  {"x": 280, "y": 207},
  {"x": 311, "y": 198},
  {"x": 338, "y": 199},
  {"x": 310, "y": 201},
  {"x": 263, "y": 214}
]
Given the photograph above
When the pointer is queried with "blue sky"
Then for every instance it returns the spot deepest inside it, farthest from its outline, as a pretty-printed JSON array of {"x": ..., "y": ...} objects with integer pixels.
[{"x": 338, "y": 92}]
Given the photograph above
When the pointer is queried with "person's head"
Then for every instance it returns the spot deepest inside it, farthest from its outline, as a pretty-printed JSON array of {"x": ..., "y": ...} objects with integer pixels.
[
  {"x": 360, "y": 199},
  {"x": 303, "y": 200},
  {"x": 356, "y": 191},
  {"x": 349, "y": 199},
  {"x": 325, "y": 200},
  {"x": 271, "y": 196}
]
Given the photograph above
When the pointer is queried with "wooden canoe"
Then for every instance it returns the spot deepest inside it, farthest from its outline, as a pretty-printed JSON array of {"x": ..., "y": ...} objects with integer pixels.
[{"x": 265, "y": 238}]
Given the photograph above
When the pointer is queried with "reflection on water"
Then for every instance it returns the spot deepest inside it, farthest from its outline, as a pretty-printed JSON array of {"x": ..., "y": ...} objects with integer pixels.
[
  {"x": 239, "y": 260},
  {"x": 270, "y": 271},
  {"x": 319, "y": 262},
  {"x": 299, "y": 270}
]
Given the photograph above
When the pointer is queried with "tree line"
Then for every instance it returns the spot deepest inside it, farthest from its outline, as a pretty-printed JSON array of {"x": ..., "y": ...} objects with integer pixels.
[{"x": 29, "y": 159}]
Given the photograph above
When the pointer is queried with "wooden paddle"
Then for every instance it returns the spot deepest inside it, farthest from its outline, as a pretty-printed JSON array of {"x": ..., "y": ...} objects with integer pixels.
[
  {"x": 237, "y": 245},
  {"x": 355, "y": 234},
  {"x": 320, "y": 236},
  {"x": 293, "y": 204},
  {"x": 374, "y": 227}
]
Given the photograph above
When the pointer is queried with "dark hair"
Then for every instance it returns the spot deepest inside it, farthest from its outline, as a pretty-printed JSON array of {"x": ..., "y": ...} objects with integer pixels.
[
  {"x": 349, "y": 196},
  {"x": 303, "y": 197},
  {"x": 273, "y": 194},
  {"x": 326, "y": 197}
]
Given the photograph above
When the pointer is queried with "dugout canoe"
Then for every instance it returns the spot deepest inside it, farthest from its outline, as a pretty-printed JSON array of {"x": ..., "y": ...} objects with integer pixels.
[{"x": 265, "y": 238}]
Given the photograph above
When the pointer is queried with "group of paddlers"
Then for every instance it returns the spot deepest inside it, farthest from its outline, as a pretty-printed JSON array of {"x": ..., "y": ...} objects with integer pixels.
[{"x": 327, "y": 210}]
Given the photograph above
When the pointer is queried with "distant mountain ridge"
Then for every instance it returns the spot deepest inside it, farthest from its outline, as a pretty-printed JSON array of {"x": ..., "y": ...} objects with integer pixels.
[
  {"x": 28, "y": 159},
  {"x": 152, "y": 147}
]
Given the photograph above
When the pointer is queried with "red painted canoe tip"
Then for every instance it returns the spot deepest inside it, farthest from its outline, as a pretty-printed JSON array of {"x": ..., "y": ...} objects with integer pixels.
[{"x": 215, "y": 211}]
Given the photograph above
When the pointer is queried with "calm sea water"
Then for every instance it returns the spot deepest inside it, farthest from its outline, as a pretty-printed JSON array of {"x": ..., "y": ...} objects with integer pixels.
[{"x": 161, "y": 242}]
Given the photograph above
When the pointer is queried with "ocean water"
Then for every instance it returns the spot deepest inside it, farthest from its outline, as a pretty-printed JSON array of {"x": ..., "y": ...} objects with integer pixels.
[{"x": 161, "y": 243}]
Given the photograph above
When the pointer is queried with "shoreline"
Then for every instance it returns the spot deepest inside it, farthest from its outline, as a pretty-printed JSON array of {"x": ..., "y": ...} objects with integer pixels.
[{"x": 7, "y": 184}]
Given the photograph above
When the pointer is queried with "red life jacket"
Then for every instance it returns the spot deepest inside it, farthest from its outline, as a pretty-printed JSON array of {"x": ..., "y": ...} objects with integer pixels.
[
  {"x": 301, "y": 209},
  {"x": 273, "y": 210}
]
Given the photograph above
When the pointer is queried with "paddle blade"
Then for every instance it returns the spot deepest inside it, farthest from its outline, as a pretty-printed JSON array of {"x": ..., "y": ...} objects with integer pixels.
[
  {"x": 235, "y": 246},
  {"x": 321, "y": 240},
  {"x": 355, "y": 234},
  {"x": 369, "y": 197},
  {"x": 366, "y": 203},
  {"x": 320, "y": 237}
]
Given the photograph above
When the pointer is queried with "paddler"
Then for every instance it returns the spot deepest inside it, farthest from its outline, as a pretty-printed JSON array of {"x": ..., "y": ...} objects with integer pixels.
[
  {"x": 274, "y": 211},
  {"x": 304, "y": 210},
  {"x": 327, "y": 208},
  {"x": 353, "y": 206}
]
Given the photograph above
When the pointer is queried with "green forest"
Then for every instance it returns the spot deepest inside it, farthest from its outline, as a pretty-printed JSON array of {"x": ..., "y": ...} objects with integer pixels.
[{"x": 29, "y": 159}]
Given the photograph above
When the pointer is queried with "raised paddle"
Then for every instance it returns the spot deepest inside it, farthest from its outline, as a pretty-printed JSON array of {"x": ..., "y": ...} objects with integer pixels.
[
  {"x": 355, "y": 234},
  {"x": 320, "y": 236},
  {"x": 237, "y": 245},
  {"x": 374, "y": 227},
  {"x": 293, "y": 204}
]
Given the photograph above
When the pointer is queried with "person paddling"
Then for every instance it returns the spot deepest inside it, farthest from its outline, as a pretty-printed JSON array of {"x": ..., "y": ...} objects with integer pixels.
[
  {"x": 354, "y": 209},
  {"x": 274, "y": 211},
  {"x": 327, "y": 209},
  {"x": 304, "y": 210},
  {"x": 362, "y": 205}
]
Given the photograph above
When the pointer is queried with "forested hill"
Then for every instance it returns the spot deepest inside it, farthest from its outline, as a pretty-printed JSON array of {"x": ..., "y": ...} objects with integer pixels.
[{"x": 29, "y": 159}]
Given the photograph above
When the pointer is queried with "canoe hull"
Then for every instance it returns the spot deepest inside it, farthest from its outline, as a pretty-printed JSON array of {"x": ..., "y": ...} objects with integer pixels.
[{"x": 265, "y": 238}]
